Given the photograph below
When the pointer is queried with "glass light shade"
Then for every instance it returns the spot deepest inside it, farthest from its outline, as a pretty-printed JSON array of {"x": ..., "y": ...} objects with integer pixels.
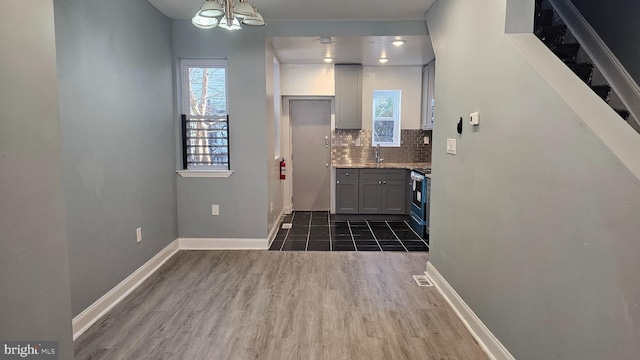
[
  {"x": 255, "y": 20},
  {"x": 211, "y": 9},
  {"x": 235, "y": 24},
  {"x": 204, "y": 22},
  {"x": 398, "y": 42},
  {"x": 243, "y": 10},
  {"x": 383, "y": 60},
  {"x": 328, "y": 59}
]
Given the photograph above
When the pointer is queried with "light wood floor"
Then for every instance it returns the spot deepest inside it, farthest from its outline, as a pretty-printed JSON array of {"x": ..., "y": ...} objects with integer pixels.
[{"x": 282, "y": 305}]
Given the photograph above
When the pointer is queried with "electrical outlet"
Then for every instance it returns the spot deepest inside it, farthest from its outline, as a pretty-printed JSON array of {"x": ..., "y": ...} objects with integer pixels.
[
  {"x": 138, "y": 235},
  {"x": 215, "y": 210},
  {"x": 426, "y": 140}
]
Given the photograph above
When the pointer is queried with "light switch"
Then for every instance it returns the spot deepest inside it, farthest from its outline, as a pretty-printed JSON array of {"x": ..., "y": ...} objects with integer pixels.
[
  {"x": 475, "y": 118},
  {"x": 451, "y": 146}
]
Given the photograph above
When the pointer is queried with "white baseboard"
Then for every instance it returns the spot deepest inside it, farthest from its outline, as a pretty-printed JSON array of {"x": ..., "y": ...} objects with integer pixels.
[
  {"x": 223, "y": 244},
  {"x": 274, "y": 230},
  {"x": 487, "y": 341},
  {"x": 100, "y": 307}
]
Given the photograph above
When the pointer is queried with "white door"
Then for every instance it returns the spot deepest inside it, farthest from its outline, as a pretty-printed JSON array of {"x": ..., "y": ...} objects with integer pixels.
[{"x": 311, "y": 154}]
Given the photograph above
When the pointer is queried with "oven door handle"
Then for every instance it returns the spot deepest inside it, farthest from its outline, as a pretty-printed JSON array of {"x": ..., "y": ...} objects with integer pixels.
[{"x": 417, "y": 177}]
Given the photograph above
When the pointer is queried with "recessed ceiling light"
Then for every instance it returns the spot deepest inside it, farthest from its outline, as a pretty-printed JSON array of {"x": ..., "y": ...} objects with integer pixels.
[
  {"x": 325, "y": 40},
  {"x": 398, "y": 42},
  {"x": 328, "y": 59},
  {"x": 383, "y": 60}
]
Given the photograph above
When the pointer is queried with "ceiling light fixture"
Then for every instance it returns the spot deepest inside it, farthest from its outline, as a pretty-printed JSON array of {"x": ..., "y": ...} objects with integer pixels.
[
  {"x": 228, "y": 14},
  {"x": 328, "y": 59},
  {"x": 383, "y": 60},
  {"x": 398, "y": 42}
]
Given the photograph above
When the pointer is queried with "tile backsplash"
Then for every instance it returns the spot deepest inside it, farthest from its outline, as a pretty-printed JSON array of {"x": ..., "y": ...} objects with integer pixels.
[{"x": 412, "y": 147}]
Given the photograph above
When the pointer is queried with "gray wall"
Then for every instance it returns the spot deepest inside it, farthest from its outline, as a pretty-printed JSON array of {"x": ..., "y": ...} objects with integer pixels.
[
  {"x": 534, "y": 221},
  {"x": 34, "y": 270},
  {"x": 616, "y": 22},
  {"x": 116, "y": 107},
  {"x": 243, "y": 196}
]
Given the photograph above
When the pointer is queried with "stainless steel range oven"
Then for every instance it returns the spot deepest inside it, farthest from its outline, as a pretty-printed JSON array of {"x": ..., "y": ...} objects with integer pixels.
[{"x": 420, "y": 196}]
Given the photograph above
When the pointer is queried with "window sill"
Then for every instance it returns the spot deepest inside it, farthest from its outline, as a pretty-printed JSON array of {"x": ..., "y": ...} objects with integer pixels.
[{"x": 205, "y": 173}]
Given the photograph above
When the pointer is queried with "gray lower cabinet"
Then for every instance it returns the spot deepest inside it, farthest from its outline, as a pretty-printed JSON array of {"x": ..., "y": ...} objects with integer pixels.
[
  {"x": 347, "y": 196},
  {"x": 347, "y": 191},
  {"x": 394, "y": 199},
  {"x": 371, "y": 191}
]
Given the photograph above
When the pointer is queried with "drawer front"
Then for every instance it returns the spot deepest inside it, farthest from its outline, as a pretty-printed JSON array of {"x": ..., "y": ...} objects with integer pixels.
[
  {"x": 382, "y": 174},
  {"x": 347, "y": 174}
]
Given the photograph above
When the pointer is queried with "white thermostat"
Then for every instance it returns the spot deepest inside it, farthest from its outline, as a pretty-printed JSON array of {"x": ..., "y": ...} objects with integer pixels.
[{"x": 475, "y": 118}]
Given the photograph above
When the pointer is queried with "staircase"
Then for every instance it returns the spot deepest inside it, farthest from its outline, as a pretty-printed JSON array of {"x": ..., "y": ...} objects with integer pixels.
[{"x": 551, "y": 30}]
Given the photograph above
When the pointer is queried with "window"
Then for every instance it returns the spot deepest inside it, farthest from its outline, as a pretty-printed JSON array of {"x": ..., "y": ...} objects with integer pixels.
[
  {"x": 386, "y": 118},
  {"x": 205, "y": 119}
]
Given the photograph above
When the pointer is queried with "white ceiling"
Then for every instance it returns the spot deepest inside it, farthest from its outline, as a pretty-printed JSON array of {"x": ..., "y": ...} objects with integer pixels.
[
  {"x": 309, "y": 50},
  {"x": 317, "y": 10},
  {"x": 365, "y": 50}
]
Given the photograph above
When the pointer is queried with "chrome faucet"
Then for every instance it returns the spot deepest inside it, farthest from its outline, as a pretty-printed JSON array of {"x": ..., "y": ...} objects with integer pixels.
[{"x": 377, "y": 152}]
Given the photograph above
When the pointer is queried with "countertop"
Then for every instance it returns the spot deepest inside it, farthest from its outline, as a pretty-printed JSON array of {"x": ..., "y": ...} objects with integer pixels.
[{"x": 382, "y": 165}]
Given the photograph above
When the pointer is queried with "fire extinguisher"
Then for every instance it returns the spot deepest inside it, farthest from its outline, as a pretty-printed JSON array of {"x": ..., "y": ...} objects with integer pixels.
[{"x": 283, "y": 169}]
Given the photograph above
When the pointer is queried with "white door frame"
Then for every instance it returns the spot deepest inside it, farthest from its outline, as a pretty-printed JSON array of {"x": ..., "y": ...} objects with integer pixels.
[{"x": 287, "y": 141}]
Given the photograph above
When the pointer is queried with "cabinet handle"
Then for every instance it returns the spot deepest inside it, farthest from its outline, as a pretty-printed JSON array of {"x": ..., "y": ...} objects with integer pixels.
[
  {"x": 379, "y": 182},
  {"x": 346, "y": 174},
  {"x": 384, "y": 182},
  {"x": 338, "y": 182}
]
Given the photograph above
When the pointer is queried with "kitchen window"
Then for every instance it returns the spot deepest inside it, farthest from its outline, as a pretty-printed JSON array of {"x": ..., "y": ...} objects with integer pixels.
[
  {"x": 386, "y": 118},
  {"x": 205, "y": 119}
]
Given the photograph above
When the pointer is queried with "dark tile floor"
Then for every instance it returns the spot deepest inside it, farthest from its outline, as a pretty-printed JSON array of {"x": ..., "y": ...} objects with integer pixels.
[{"x": 320, "y": 231}]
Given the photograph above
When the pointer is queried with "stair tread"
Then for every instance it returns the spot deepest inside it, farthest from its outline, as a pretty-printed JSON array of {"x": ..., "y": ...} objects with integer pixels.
[
  {"x": 623, "y": 113},
  {"x": 583, "y": 70},
  {"x": 602, "y": 91},
  {"x": 544, "y": 17},
  {"x": 566, "y": 52},
  {"x": 550, "y": 34}
]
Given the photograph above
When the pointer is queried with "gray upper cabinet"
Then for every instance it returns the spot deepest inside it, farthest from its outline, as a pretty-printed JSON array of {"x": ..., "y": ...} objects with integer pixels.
[
  {"x": 428, "y": 95},
  {"x": 348, "y": 82}
]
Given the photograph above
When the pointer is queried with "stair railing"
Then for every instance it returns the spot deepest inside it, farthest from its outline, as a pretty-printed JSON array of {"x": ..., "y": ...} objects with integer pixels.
[{"x": 613, "y": 71}]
